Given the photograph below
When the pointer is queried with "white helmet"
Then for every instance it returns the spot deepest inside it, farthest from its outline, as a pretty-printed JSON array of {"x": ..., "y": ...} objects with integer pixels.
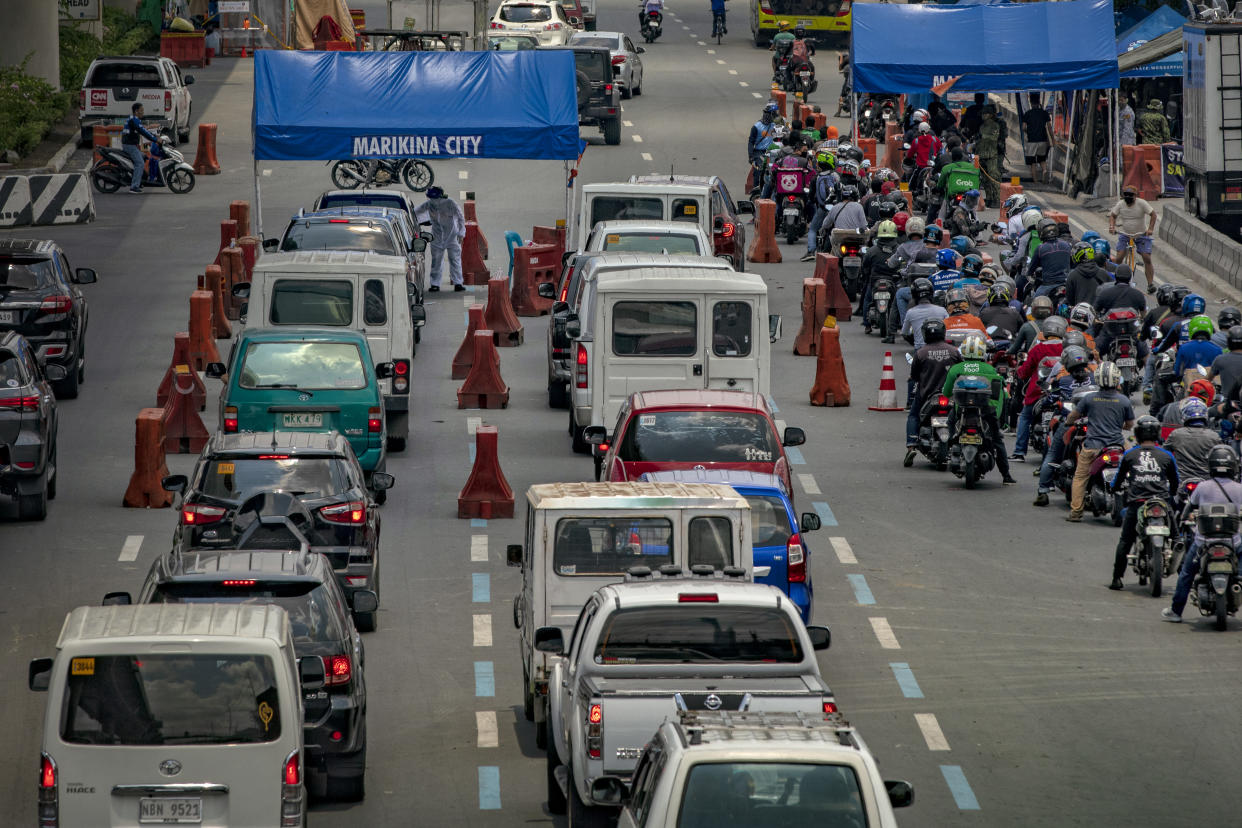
[
  {"x": 1108, "y": 375},
  {"x": 915, "y": 227},
  {"x": 1030, "y": 217},
  {"x": 1082, "y": 315},
  {"x": 919, "y": 115},
  {"x": 1016, "y": 203},
  {"x": 924, "y": 127},
  {"x": 973, "y": 348}
]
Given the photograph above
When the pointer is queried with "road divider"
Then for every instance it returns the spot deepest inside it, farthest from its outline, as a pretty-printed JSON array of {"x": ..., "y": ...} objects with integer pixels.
[
  {"x": 532, "y": 264},
  {"x": 831, "y": 387},
  {"x": 814, "y": 311},
  {"x": 205, "y": 161},
  {"x": 146, "y": 490},
  {"x": 484, "y": 387},
  {"x": 202, "y": 340},
  {"x": 464, "y": 358},
  {"x": 470, "y": 211},
  {"x": 14, "y": 201},
  {"x": 214, "y": 280},
  {"x": 763, "y": 247},
  {"x": 181, "y": 365},
  {"x": 184, "y": 432},
  {"x": 498, "y": 315},
  {"x": 486, "y": 494},
  {"x": 827, "y": 267},
  {"x": 239, "y": 211},
  {"x": 61, "y": 198}
]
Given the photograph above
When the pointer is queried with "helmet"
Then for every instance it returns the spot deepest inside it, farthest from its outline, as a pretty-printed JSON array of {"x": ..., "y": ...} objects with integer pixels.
[
  {"x": 1228, "y": 317},
  {"x": 1202, "y": 389},
  {"x": 1053, "y": 327},
  {"x": 1082, "y": 315},
  {"x": 999, "y": 294},
  {"x": 848, "y": 192},
  {"x": 1048, "y": 230},
  {"x": 1074, "y": 359},
  {"x": 960, "y": 243},
  {"x": 1041, "y": 307},
  {"x": 1090, "y": 236},
  {"x": 1147, "y": 429},
  {"x": 956, "y": 301},
  {"x": 924, "y": 128},
  {"x": 1222, "y": 462},
  {"x": 1180, "y": 292},
  {"x": 1200, "y": 326},
  {"x": 887, "y": 209},
  {"x": 435, "y": 191},
  {"x": 1075, "y": 339},
  {"x": 915, "y": 227},
  {"x": 1234, "y": 337},
  {"x": 771, "y": 106},
  {"x": 933, "y": 330},
  {"x": 989, "y": 273},
  {"x": 799, "y": 30},
  {"x": 946, "y": 258},
  {"x": 1082, "y": 252},
  {"x": 886, "y": 230},
  {"x": 1101, "y": 248},
  {"x": 1030, "y": 217},
  {"x": 825, "y": 159},
  {"x": 1194, "y": 411},
  {"x": 933, "y": 233},
  {"x": 973, "y": 348},
  {"x": 1123, "y": 274},
  {"x": 1108, "y": 375},
  {"x": 783, "y": 25},
  {"x": 972, "y": 265},
  {"x": 919, "y": 116},
  {"x": 1164, "y": 294},
  {"x": 1192, "y": 304},
  {"x": 1015, "y": 203},
  {"x": 921, "y": 289},
  {"x": 901, "y": 219}
]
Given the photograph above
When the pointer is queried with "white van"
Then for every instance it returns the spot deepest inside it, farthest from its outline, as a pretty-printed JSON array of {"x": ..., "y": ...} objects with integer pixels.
[
  {"x": 174, "y": 713},
  {"x": 660, "y": 328},
  {"x": 364, "y": 292},
  {"x": 581, "y": 536}
]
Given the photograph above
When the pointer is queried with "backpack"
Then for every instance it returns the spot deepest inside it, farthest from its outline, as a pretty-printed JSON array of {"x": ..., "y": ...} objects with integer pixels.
[{"x": 799, "y": 49}]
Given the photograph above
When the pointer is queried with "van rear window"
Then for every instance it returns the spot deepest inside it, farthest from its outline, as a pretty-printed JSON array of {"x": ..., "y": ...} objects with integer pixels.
[
  {"x": 655, "y": 329},
  {"x": 171, "y": 699},
  {"x": 610, "y": 546},
  {"x": 611, "y": 208},
  {"x": 312, "y": 302},
  {"x": 697, "y": 633},
  {"x": 772, "y": 795},
  {"x": 665, "y": 243}
]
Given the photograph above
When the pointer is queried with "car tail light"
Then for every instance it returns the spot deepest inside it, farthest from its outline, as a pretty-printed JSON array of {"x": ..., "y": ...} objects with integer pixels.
[
  {"x": 273, "y": 457},
  {"x": 54, "y": 350},
  {"x": 595, "y": 730},
  {"x": 197, "y": 514},
  {"x": 618, "y": 60},
  {"x": 401, "y": 376},
  {"x": 844, "y": 10},
  {"x": 375, "y": 422},
  {"x": 697, "y": 598},
  {"x": 22, "y": 402},
  {"x": 727, "y": 230},
  {"x": 792, "y": 198},
  {"x": 292, "y": 795},
  {"x": 338, "y": 221},
  {"x": 565, "y": 291},
  {"x": 495, "y": 25},
  {"x": 230, "y": 419},
  {"x": 1123, "y": 349},
  {"x": 56, "y": 306},
  {"x": 293, "y": 769},
  {"x": 337, "y": 670},
  {"x": 830, "y": 707},
  {"x": 580, "y": 373},
  {"x": 81, "y": 99},
  {"x": 25, "y": 466},
  {"x": 49, "y": 806},
  {"x": 167, "y": 101},
  {"x": 608, "y": 88},
  {"x": 795, "y": 560},
  {"x": 552, "y": 27},
  {"x": 353, "y": 513},
  {"x": 765, "y": 6},
  {"x": 239, "y": 582}
]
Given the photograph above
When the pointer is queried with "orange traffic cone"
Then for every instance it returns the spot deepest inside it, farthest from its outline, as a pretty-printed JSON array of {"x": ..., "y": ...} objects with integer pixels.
[{"x": 888, "y": 387}]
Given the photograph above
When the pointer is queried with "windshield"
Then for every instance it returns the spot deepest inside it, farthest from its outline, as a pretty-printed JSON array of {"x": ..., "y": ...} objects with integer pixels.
[
  {"x": 227, "y": 478},
  {"x": 303, "y": 365},
  {"x": 25, "y": 274},
  {"x": 312, "y": 616},
  {"x": 599, "y": 41},
  {"x": 337, "y": 234},
  {"x": 699, "y": 437},
  {"x": 698, "y": 633},
  {"x": 610, "y": 546},
  {"x": 171, "y": 699},
  {"x": 610, "y": 208},
  {"x": 312, "y": 302},
  {"x": 769, "y": 523},
  {"x": 771, "y": 795},
  {"x": 525, "y": 13},
  {"x": 652, "y": 243}
]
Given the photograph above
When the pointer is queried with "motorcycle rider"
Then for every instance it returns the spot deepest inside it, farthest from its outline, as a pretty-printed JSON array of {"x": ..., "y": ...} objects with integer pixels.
[
  {"x": 975, "y": 363},
  {"x": 1052, "y": 328},
  {"x": 915, "y": 118},
  {"x": 1086, "y": 277},
  {"x": 1146, "y": 471},
  {"x": 1028, "y": 333},
  {"x": 998, "y": 317},
  {"x": 648, "y": 6},
  {"x": 823, "y": 190},
  {"x": 1082, "y": 318},
  {"x": 920, "y": 312},
  {"x": 1223, "y": 487},
  {"x": 1193, "y": 441},
  {"x": 956, "y": 177},
  {"x": 1075, "y": 380},
  {"x": 846, "y": 214},
  {"x": 1201, "y": 389},
  {"x": 1165, "y": 311},
  {"x": 948, "y": 273},
  {"x": 924, "y": 148},
  {"x": 931, "y": 364},
  {"x": 1200, "y": 351},
  {"x": 875, "y": 265},
  {"x": 1120, "y": 294},
  {"x": 1049, "y": 267},
  {"x": 1228, "y": 366},
  {"x": 131, "y": 142},
  {"x": 762, "y": 133},
  {"x": 782, "y": 43},
  {"x": 1014, "y": 207},
  {"x": 960, "y": 317},
  {"x": 962, "y": 220},
  {"x": 1015, "y": 263},
  {"x": 1108, "y": 414}
]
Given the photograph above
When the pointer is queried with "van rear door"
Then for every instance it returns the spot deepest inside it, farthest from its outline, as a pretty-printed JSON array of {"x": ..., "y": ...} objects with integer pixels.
[
  {"x": 730, "y": 342},
  {"x": 648, "y": 344}
]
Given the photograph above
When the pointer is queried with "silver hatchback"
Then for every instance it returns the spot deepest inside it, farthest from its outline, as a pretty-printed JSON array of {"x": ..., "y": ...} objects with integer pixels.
[{"x": 627, "y": 66}]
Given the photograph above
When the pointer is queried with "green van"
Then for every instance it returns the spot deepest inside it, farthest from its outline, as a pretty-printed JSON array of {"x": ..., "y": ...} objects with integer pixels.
[{"x": 306, "y": 379}]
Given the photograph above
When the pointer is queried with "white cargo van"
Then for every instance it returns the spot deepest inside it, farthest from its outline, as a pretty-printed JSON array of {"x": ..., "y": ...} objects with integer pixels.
[
  {"x": 656, "y": 328},
  {"x": 581, "y": 536},
  {"x": 364, "y": 292},
  {"x": 174, "y": 713}
]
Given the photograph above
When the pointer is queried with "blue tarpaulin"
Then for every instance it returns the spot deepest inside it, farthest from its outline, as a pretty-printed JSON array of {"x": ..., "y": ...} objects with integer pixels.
[
  {"x": 320, "y": 106},
  {"x": 1162, "y": 20},
  {"x": 993, "y": 47}
]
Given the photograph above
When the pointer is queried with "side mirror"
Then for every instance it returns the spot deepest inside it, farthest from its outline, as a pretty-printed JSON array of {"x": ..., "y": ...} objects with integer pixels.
[
  {"x": 595, "y": 435},
  {"x": 900, "y": 793},
  {"x": 573, "y": 328},
  {"x": 380, "y": 481},
  {"x": 418, "y": 245},
  {"x": 364, "y": 601},
  {"x": 241, "y": 290},
  {"x": 810, "y": 522},
  {"x": 746, "y": 208},
  {"x": 718, "y": 224},
  {"x": 821, "y": 637},
  {"x": 55, "y": 373},
  {"x": 794, "y": 436},
  {"x": 188, "y": 80},
  {"x": 175, "y": 483},
  {"x": 513, "y": 554},
  {"x": 271, "y": 245},
  {"x": 310, "y": 672},
  {"x": 418, "y": 315},
  {"x": 639, "y": 50},
  {"x": 215, "y": 370},
  {"x": 774, "y": 327},
  {"x": 84, "y": 276},
  {"x": 550, "y": 640},
  {"x": 117, "y": 599},
  {"x": 40, "y": 674},
  {"x": 384, "y": 370},
  {"x": 547, "y": 290},
  {"x": 609, "y": 790}
]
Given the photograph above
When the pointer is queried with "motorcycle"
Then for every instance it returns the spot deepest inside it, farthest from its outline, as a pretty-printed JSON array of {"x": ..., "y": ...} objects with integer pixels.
[
  {"x": 652, "y": 26},
  {"x": 1151, "y": 561},
  {"x": 1100, "y": 497},
  {"x": 798, "y": 77},
  {"x": 970, "y": 446},
  {"x": 877, "y": 312},
  {"x": 1007, "y": 366},
  {"x": 1120, "y": 326},
  {"x": 793, "y": 194},
  {"x": 849, "y": 246},
  {"x": 365, "y": 172},
  {"x": 933, "y": 440},
  {"x": 1167, "y": 384},
  {"x": 114, "y": 170},
  {"x": 1216, "y": 590}
]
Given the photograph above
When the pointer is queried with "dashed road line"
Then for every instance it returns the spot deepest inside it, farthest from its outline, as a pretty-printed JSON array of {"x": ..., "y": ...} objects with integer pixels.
[
  {"x": 478, "y": 523},
  {"x": 795, "y": 456},
  {"x": 702, "y": 43},
  {"x": 842, "y": 547},
  {"x": 884, "y": 632},
  {"x": 484, "y": 679},
  {"x": 478, "y": 548},
  {"x": 905, "y": 680},
  {"x": 489, "y": 788},
  {"x": 862, "y": 592},
  {"x": 719, "y": 61},
  {"x": 627, "y": 123},
  {"x": 472, "y": 425},
  {"x": 808, "y": 484},
  {"x": 959, "y": 787},
  {"x": 755, "y": 94},
  {"x": 687, "y": 28},
  {"x": 826, "y": 517},
  {"x": 480, "y": 588},
  {"x": 489, "y": 733},
  {"x": 732, "y": 71},
  {"x": 647, "y": 156},
  {"x": 932, "y": 734},
  {"x": 638, "y": 139},
  {"x": 745, "y": 84},
  {"x": 711, "y": 51},
  {"x": 462, "y": 194},
  {"x": 129, "y": 549},
  {"x": 482, "y": 625}
]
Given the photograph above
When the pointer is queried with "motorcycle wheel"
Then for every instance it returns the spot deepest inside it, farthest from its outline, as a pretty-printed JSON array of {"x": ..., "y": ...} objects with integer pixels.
[
  {"x": 1116, "y": 510},
  {"x": 791, "y": 237},
  {"x": 347, "y": 175},
  {"x": 1144, "y": 560},
  {"x": 1155, "y": 570},
  {"x": 105, "y": 177},
  {"x": 1222, "y": 612},
  {"x": 418, "y": 175},
  {"x": 180, "y": 181},
  {"x": 648, "y": 37},
  {"x": 883, "y": 325},
  {"x": 972, "y": 476}
]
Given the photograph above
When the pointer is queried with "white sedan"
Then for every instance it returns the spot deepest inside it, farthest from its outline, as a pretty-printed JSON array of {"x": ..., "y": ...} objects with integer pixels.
[
  {"x": 543, "y": 18},
  {"x": 627, "y": 66}
]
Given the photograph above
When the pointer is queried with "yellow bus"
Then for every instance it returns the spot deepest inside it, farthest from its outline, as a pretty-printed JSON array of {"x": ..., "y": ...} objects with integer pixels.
[{"x": 824, "y": 20}]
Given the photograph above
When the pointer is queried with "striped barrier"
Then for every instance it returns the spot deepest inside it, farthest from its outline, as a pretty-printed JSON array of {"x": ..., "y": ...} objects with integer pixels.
[
  {"x": 62, "y": 198},
  {"x": 14, "y": 201}
]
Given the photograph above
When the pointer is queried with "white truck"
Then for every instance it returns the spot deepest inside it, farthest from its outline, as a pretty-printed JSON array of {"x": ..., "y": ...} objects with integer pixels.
[
  {"x": 657, "y": 644},
  {"x": 114, "y": 84},
  {"x": 1212, "y": 123},
  {"x": 760, "y": 770}
]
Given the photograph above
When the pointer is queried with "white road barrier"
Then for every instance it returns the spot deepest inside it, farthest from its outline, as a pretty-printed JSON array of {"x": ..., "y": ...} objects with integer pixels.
[
  {"x": 14, "y": 201},
  {"x": 63, "y": 198}
]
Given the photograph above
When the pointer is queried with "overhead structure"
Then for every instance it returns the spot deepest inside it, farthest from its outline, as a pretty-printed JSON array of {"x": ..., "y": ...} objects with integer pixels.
[
  {"x": 1162, "y": 21},
  {"x": 1153, "y": 51}
]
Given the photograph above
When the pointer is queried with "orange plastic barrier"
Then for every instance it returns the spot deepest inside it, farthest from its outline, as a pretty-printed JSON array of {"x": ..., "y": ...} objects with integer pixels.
[
  {"x": 532, "y": 264},
  {"x": 779, "y": 96},
  {"x": 464, "y": 358},
  {"x": 215, "y": 281},
  {"x": 484, "y": 387},
  {"x": 184, "y": 48},
  {"x": 205, "y": 162},
  {"x": 184, "y": 432},
  {"x": 1141, "y": 165},
  {"x": 486, "y": 494},
  {"x": 181, "y": 365},
  {"x": 827, "y": 267},
  {"x": 146, "y": 490},
  {"x": 763, "y": 246},
  {"x": 554, "y": 236},
  {"x": 804, "y": 113},
  {"x": 239, "y": 211},
  {"x": 202, "y": 343},
  {"x": 831, "y": 387},
  {"x": 233, "y": 270},
  {"x": 1056, "y": 215},
  {"x": 1006, "y": 190},
  {"x": 228, "y": 235},
  {"x": 498, "y": 315},
  {"x": 473, "y": 271},
  {"x": 106, "y": 135},
  {"x": 814, "y": 309},
  {"x": 471, "y": 214},
  {"x": 820, "y": 121},
  {"x": 867, "y": 145},
  {"x": 893, "y": 153}
]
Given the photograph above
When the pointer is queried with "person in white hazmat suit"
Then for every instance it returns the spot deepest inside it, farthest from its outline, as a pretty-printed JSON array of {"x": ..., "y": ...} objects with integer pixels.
[{"x": 448, "y": 229}]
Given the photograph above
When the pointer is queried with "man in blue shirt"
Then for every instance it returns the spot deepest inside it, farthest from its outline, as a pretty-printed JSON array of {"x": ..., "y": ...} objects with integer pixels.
[
  {"x": 718, "y": 8},
  {"x": 1200, "y": 351},
  {"x": 131, "y": 137}
]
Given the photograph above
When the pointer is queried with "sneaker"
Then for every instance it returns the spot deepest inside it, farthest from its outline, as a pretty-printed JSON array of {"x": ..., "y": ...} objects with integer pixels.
[
  {"x": 1117, "y": 584},
  {"x": 1074, "y": 517},
  {"x": 1021, "y": 458},
  {"x": 433, "y": 289},
  {"x": 888, "y": 340},
  {"x": 909, "y": 461},
  {"x": 867, "y": 330},
  {"x": 1041, "y": 498},
  {"x": 1167, "y": 614},
  {"x": 459, "y": 288},
  {"x": 135, "y": 189},
  {"x": 1008, "y": 481},
  {"x": 809, "y": 256}
]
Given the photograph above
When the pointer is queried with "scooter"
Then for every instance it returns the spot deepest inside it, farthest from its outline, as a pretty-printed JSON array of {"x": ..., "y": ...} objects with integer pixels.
[
  {"x": 114, "y": 170},
  {"x": 849, "y": 246},
  {"x": 1216, "y": 590},
  {"x": 793, "y": 194},
  {"x": 877, "y": 312},
  {"x": 970, "y": 449},
  {"x": 933, "y": 439},
  {"x": 652, "y": 26},
  {"x": 1100, "y": 498},
  {"x": 1151, "y": 561},
  {"x": 799, "y": 78},
  {"x": 1121, "y": 326}
]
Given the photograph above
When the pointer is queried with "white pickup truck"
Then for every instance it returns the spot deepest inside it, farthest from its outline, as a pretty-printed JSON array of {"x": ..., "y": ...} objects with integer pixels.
[
  {"x": 658, "y": 644},
  {"x": 114, "y": 84}
]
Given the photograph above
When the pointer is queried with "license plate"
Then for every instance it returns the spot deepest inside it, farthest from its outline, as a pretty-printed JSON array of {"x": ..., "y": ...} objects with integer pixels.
[
  {"x": 8, "y": 317},
  {"x": 882, "y": 296},
  {"x": 314, "y": 420},
  {"x": 1126, "y": 362},
  {"x": 1047, "y": 417},
  {"x": 1220, "y": 568},
  {"x": 971, "y": 440},
  {"x": 853, "y": 261},
  {"x": 1109, "y": 474},
  {"x": 940, "y": 422},
  {"x": 170, "y": 811},
  {"x": 806, "y": 22},
  {"x": 1157, "y": 530}
]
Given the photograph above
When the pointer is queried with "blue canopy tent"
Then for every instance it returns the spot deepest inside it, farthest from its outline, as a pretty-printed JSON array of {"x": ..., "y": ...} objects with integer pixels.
[{"x": 1161, "y": 21}]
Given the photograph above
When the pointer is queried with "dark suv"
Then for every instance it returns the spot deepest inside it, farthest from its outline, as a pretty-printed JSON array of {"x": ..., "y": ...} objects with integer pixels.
[
  {"x": 40, "y": 299},
  {"x": 27, "y": 427},
  {"x": 335, "y": 723},
  {"x": 599, "y": 98},
  {"x": 328, "y": 505}
]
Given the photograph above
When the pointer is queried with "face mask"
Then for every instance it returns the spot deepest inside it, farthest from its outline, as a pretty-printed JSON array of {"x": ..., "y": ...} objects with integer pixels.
[{"x": 1128, "y": 199}]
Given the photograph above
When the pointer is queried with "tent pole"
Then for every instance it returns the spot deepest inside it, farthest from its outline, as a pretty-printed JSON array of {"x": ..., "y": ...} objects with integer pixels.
[
  {"x": 1069, "y": 141},
  {"x": 258, "y": 203}
]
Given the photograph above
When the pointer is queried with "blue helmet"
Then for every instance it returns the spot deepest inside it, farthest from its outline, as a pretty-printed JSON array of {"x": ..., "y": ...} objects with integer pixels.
[
  {"x": 961, "y": 244},
  {"x": 1193, "y": 305},
  {"x": 946, "y": 258},
  {"x": 1194, "y": 410},
  {"x": 1090, "y": 236},
  {"x": 1102, "y": 249}
]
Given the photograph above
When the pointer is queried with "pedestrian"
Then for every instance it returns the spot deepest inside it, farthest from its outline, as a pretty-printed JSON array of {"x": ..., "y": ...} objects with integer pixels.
[
  {"x": 990, "y": 150},
  {"x": 1152, "y": 126},
  {"x": 448, "y": 229},
  {"x": 131, "y": 140},
  {"x": 843, "y": 66},
  {"x": 1126, "y": 121},
  {"x": 1035, "y": 123},
  {"x": 1138, "y": 223}
]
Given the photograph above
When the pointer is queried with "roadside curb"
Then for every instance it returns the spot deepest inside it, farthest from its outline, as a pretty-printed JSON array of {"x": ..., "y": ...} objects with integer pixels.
[{"x": 54, "y": 165}]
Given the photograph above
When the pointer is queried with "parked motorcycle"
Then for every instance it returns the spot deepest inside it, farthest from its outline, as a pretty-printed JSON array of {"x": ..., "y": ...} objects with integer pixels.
[
  {"x": 114, "y": 170},
  {"x": 1216, "y": 590},
  {"x": 1153, "y": 553},
  {"x": 875, "y": 113},
  {"x": 849, "y": 246},
  {"x": 653, "y": 26},
  {"x": 381, "y": 172},
  {"x": 970, "y": 446}
]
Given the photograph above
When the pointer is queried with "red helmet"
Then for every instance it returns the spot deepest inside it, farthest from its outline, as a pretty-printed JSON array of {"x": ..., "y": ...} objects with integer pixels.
[
  {"x": 1202, "y": 389},
  {"x": 900, "y": 220}
]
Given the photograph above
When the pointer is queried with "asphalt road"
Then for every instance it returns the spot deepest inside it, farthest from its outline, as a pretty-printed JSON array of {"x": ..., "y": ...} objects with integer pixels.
[{"x": 975, "y": 645}]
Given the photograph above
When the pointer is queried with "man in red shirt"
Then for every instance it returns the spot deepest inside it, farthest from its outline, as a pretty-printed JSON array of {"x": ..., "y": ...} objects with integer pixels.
[{"x": 925, "y": 146}]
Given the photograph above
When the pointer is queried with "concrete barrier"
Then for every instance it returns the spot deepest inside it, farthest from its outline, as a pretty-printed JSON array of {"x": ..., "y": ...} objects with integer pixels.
[
  {"x": 14, "y": 201},
  {"x": 1207, "y": 247},
  {"x": 63, "y": 198}
]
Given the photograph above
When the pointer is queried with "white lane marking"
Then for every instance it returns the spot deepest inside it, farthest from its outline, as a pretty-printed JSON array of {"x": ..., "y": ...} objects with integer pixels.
[
  {"x": 638, "y": 139},
  {"x": 754, "y": 94},
  {"x": 489, "y": 734},
  {"x": 732, "y": 71},
  {"x": 647, "y": 156},
  {"x": 719, "y": 61},
  {"x": 478, "y": 548},
  {"x": 780, "y": 426},
  {"x": 129, "y": 549},
  {"x": 844, "y": 553},
  {"x": 627, "y": 123},
  {"x": 461, "y": 194},
  {"x": 687, "y": 28},
  {"x": 932, "y": 733},
  {"x": 744, "y": 83},
  {"x": 483, "y": 630},
  {"x": 463, "y": 174},
  {"x": 473, "y": 423},
  {"x": 808, "y": 484},
  {"x": 711, "y": 51},
  {"x": 888, "y": 641},
  {"x": 267, "y": 173},
  {"x": 701, "y": 43}
]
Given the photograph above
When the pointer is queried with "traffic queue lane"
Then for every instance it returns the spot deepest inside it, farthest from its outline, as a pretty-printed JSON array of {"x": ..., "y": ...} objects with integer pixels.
[{"x": 974, "y": 644}]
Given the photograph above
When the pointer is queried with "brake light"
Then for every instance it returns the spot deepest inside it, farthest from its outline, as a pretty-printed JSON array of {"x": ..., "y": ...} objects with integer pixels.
[
  {"x": 375, "y": 420},
  {"x": 580, "y": 375},
  {"x": 47, "y": 773},
  {"x": 292, "y": 797},
  {"x": 25, "y": 402},
  {"x": 273, "y": 457},
  {"x": 1191, "y": 486},
  {"x": 608, "y": 87},
  {"x": 401, "y": 376},
  {"x": 844, "y": 10},
  {"x": 338, "y": 221},
  {"x": 495, "y": 25},
  {"x": 230, "y": 419},
  {"x": 293, "y": 769},
  {"x": 618, "y": 60},
  {"x": 197, "y": 514},
  {"x": 49, "y": 806},
  {"x": 595, "y": 730},
  {"x": 552, "y": 27},
  {"x": 56, "y": 305},
  {"x": 337, "y": 670},
  {"x": 830, "y": 707},
  {"x": 1155, "y": 511},
  {"x": 792, "y": 198},
  {"x": 697, "y": 598},
  {"x": 942, "y": 401},
  {"x": 81, "y": 99},
  {"x": 765, "y": 6},
  {"x": 727, "y": 230},
  {"x": 167, "y": 101},
  {"x": 565, "y": 292},
  {"x": 597, "y": 714},
  {"x": 353, "y": 512},
  {"x": 239, "y": 582},
  {"x": 1123, "y": 349},
  {"x": 795, "y": 559}
]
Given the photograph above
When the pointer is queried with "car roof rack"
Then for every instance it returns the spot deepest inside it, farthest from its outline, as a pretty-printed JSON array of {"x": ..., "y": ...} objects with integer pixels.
[
  {"x": 757, "y": 725},
  {"x": 675, "y": 572}
]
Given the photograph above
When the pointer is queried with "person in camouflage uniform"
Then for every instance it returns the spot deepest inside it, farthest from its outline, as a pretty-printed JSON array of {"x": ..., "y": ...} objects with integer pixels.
[
  {"x": 990, "y": 149},
  {"x": 1152, "y": 126}
]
